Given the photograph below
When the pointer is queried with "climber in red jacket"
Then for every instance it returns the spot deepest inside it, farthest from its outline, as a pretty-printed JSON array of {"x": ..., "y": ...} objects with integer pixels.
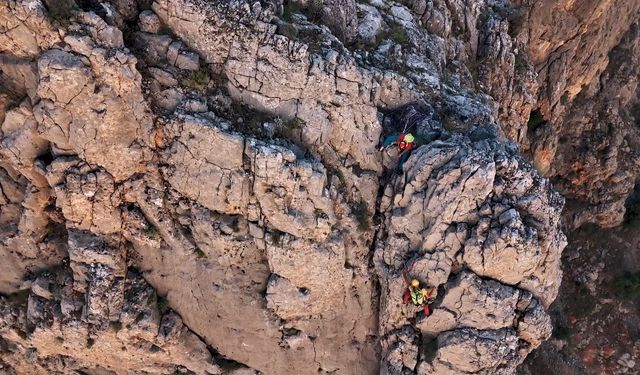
[
  {"x": 405, "y": 143},
  {"x": 417, "y": 295}
]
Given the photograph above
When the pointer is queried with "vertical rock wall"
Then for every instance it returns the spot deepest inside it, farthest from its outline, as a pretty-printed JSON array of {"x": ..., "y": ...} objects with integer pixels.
[{"x": 196, "y": 187}]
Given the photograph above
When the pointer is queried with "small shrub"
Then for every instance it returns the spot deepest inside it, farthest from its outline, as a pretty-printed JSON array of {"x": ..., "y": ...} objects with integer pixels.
[
  {"x": 561, "y": 333},
  {"x": 627, "y": 286},
  {"x": 199, "y": 253},
  {"x": 59, "y": 339},
  {"x": 333, "y": 171},
  {"x": 399, "y": 35},
  {"x": 320, "y": 214},
  {"x": 362, "y": 214},
  {"x": 483, "y": 18},
  {"x": 197, "y": 79},
  {"x": 56, "y": 291},
  {"x": 290, "y": 8},
  {"x": 163, "y": 305},
  {"x": 517, "y": 18},
  {"x": 151, "y": 230},
  {"x": 450, "y": 124},
  {"x": 138, "y": 318},
  {"x": 520, "y": 64},
  {"x": 289, "y": 129},
  {"x": 115, "y": 326},
  {"x": 248, "y": 120},
  {"x": 20, "y": 297},
  {"x": 632, "y": 213},
  {"x": 62, "y": 11},
  {"x": 380, "y": 37},
  {"x": 294, "y": 123},
  {"x": 583, "y": 302},
  {"x": 276, "y": 237},
  {"x": 564, "y": 99},
  {"x": 535, "y": 120},
  {"x": 288, "y": 30},
  {"x": 90, "y": 342}
]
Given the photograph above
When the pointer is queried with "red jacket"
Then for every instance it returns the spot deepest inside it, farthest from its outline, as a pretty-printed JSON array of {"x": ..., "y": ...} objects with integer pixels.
[{"x": 404, "y": 146}]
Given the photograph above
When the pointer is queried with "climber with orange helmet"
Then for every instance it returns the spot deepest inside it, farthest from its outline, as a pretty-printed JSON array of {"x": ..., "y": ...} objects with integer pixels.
[
  {"x": 417, "y": 295},
  {"x": 405, "y": 143}
]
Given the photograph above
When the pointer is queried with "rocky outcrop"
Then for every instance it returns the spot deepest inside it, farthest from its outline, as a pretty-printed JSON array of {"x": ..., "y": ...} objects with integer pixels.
[
  {"x": 583, "y": 133},
  {"x": 596, "y": 157},
  {"x": 196, "y": 187},
  {"x": 476, "y": 222},
  {"x": 90, "y": 95},
  {"x": 26, "y": 28},
  {"x": 94, "y": 314}
]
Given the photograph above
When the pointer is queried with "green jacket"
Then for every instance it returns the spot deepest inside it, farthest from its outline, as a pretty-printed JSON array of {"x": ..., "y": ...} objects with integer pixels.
[{"x": 418, "y": 296}]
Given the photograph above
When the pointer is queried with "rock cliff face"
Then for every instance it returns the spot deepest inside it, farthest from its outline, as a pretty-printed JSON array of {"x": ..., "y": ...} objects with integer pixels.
[
  {"x": 195, "y": 186},
  {"x": 585, "y": 133}
]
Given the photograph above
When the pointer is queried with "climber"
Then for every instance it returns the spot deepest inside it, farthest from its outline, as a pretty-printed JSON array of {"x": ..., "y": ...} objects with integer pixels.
[
  {"x": 419, "y": 296},
  {"x": 405, "y": 144}
]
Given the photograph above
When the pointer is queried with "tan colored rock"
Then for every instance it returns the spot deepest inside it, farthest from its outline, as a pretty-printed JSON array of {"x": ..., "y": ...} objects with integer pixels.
[
  {"x": 149, "y": 22},
  {"x": 25, "y": 29},
  {"x": 307, "y": 279},
  {"x": 474, "y": 351},
  {"x": 471, "y": 302},
  {"x": 21, "y": 143},
  {"x": 436, "y": 224},
  {"x": 254, "y": 199},
  {"x": 97, "y": 101}
]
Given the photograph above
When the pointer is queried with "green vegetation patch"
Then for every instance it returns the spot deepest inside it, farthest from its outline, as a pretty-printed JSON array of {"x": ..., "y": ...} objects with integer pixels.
[
  {"x": 151, "y": 230},
  {"x": 163, "y": 305},
  {"x": 61, "y": 11},
  {"x": 399, "y": 35},
  {"x": 20, "y": 297},
  {"x": 197, "y": 79},
  {"x": 199, "y": 253},
  {"x": 115, "y": 326},
  {"x": 632, "y": 214},
  {"x": 627, "y": 286},
  {"x": 535, "y": 120},
  {"x": 362, "y": 214},
  {"x": 276, "y": 237}
]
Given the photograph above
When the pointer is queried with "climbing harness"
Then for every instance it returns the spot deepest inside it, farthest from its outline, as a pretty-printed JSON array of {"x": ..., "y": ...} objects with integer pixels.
[{"x": 415, "y": 293}]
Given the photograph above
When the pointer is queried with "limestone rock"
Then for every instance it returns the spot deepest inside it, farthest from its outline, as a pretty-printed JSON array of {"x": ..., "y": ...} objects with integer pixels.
[
  {"x": 196, "y": 186},
  {"x": 339, "y": 16},
  {"x": 25, "y": 29},
  {"x": 149, "y": 22},
  {"x": 436, "y": 226},
  {"x": 584, "y": 128},
  {"x": 94, "y": 98},
  {"x": 474, "y": 351}
]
